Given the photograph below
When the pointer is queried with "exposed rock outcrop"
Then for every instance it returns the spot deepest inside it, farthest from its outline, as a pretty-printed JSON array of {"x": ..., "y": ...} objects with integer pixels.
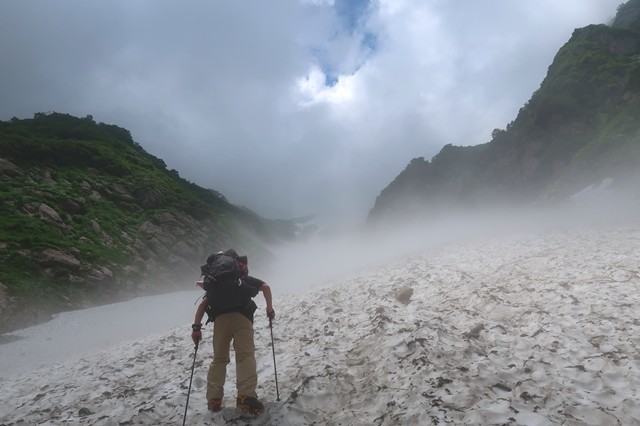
[{"x": 7, "y": 168}]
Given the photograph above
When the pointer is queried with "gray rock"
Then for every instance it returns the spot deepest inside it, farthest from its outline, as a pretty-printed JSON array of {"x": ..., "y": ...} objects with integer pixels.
[
  {"x": 7, "y": 168},
  {"x": 46, "y": 177},
  {"x": 52, "y": 257},
  {"x": 403, "y": 295},
  {"x": 4, "y": 299},
  {"x": 49, "y": 214}
]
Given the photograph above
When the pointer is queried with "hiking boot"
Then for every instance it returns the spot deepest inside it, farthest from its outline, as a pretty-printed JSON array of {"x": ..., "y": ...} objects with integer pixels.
[
  {"x": 215, "y": 405},
  {"x": 249, "y": 404}
]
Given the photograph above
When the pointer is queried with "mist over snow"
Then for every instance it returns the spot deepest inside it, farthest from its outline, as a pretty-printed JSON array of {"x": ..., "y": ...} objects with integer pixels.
[
  {"x": 332, "y": 254},
  {"x": 527, "y": 319}
]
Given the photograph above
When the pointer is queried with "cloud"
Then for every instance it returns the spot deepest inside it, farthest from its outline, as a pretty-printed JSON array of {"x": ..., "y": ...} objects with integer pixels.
[{"x": 290, "y": 108}]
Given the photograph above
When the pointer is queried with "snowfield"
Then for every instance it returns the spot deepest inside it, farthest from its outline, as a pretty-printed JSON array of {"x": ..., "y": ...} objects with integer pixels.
[{"x": 527, "y": 329}]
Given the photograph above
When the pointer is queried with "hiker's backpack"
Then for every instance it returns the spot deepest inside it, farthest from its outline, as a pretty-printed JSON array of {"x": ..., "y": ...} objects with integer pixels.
[
  {"x": 221, "y": 267},
  {"x": 226, "y": 291}
]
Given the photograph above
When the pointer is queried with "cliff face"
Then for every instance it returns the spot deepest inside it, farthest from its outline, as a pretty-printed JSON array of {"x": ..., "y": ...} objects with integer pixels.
[
  {"x": 89, "y": 217},
  {"x": 628, "y": 16},
  {"x": 579, "y": 127}
]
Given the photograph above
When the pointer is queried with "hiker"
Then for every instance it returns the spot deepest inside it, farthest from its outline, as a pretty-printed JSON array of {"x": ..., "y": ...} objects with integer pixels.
[{"x": 229, "y": 305}]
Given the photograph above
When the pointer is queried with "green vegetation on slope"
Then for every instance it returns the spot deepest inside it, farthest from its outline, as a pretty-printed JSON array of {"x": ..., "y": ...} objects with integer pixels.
[
  {"x": 580, "y": 126},
  {"x": 87, "y": 214}
]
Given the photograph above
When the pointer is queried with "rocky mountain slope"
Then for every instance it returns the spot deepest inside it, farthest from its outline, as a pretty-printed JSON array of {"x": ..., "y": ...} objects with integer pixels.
[
  {"x": 88, "y": 217},
  {"x": 578, "y": 129}
]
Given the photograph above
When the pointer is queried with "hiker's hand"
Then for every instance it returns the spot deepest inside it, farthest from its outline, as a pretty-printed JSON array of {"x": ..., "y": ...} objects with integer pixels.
[
  {"x": 271, "y": 314},
  {"x": 196, "y": 333}
]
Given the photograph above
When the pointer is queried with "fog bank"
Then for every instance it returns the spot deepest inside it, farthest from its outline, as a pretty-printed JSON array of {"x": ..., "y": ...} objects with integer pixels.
[
  {"x": 301, "y": 265},
  {"x": 298, "y": 267}
]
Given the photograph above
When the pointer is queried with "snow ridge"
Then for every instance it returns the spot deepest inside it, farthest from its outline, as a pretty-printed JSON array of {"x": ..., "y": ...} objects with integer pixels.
[{"x": 529, "y": 329}]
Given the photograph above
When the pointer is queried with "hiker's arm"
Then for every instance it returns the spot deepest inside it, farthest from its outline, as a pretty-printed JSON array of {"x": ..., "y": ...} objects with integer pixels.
[
  {"x": 196, "y": 333},
  {"x": 266, "y": 292},
  {"x": 200, "y": 312}
]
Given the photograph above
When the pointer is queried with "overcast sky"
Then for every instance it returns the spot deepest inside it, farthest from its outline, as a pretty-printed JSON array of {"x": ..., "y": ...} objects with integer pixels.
[{"x": 289, "y": 107}]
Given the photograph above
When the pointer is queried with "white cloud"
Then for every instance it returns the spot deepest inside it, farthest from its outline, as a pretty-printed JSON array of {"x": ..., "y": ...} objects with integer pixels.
[
  {"x": 235, "y": 96},
  {"x": 313, "y": 89}
]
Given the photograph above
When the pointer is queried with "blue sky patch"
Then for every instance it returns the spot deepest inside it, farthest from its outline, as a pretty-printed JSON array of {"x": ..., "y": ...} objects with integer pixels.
[
  {"x": 369, "y": 41},
  {"x": 351, "y": 13}
]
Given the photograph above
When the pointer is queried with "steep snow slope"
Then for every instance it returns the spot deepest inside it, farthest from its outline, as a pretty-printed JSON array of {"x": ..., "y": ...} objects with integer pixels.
[{"x": 528, "y": 329}]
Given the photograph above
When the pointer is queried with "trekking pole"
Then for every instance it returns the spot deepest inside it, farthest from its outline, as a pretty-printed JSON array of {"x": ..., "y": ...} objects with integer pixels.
[
  {"x": 195, "y": 351},
  {"x": 275, "y": 369}
]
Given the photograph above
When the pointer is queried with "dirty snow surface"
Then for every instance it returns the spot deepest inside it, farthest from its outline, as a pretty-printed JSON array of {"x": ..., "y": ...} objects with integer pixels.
[{"x": 528, "y": 329}]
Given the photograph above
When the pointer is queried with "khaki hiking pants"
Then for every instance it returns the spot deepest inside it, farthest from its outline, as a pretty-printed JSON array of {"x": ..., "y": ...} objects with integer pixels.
[{"x": 227, "y": 327}]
